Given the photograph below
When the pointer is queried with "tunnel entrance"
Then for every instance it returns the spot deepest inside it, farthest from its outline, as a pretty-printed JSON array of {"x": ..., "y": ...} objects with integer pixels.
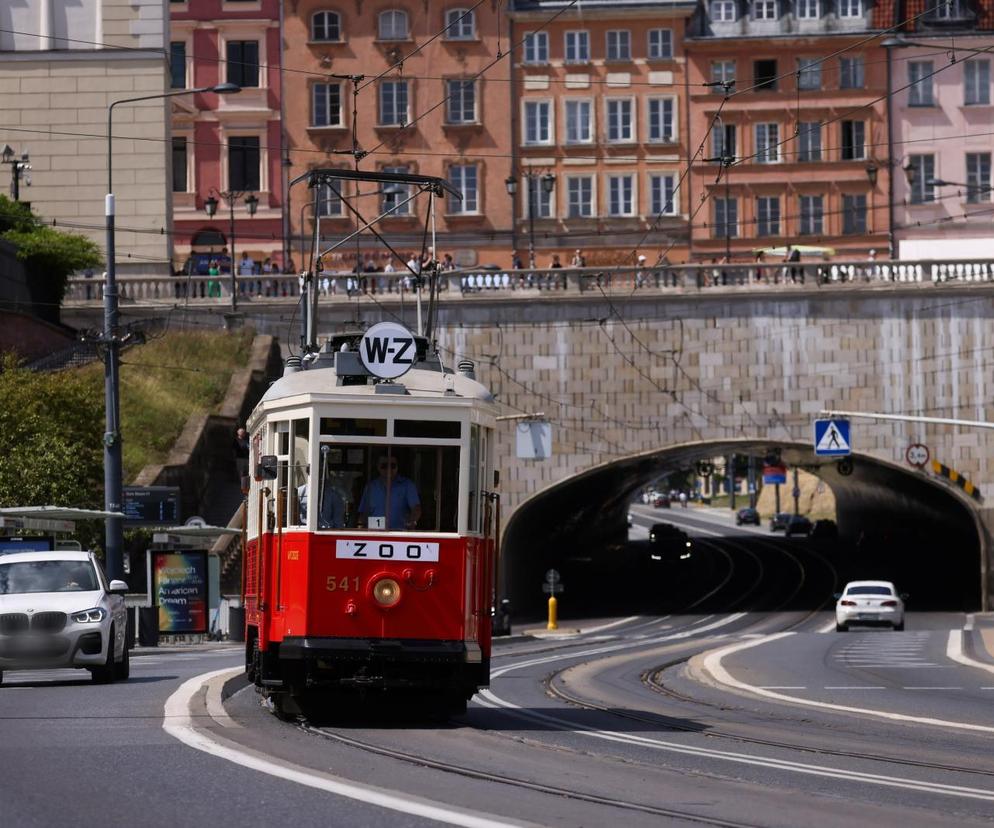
[{"x": 894, "y": 523}]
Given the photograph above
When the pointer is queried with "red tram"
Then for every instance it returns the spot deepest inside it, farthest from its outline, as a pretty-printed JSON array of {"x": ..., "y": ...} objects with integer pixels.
[{"x": 370, "y": 549}]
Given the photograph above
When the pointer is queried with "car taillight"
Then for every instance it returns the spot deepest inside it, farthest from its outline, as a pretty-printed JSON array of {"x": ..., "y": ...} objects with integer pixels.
[
  {"x": 847, "y": 603},
  {"x": 888, "y": 603}
]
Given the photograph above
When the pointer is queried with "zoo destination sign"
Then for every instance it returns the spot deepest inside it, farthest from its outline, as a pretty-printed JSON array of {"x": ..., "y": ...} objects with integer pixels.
[{"x": 181, "y": 591}]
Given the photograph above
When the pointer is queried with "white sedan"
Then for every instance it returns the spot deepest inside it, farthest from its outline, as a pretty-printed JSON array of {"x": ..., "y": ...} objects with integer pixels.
[{"x": 869, "y": 602}]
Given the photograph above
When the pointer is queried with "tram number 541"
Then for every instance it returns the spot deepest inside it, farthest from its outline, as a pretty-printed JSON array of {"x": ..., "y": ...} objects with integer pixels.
[{"x": 376, "y": 550}]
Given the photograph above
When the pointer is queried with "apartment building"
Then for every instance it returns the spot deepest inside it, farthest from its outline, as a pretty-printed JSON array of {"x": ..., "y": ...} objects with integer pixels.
[
  {"x": 600, "y": 130},
  {"x": 789, "y": 100},
  {"x": 941, "y": 112},
  {"x": 62, "y": 64},
  {"x": 416, "y": 87},
  {"x": 226, "y": 149}
]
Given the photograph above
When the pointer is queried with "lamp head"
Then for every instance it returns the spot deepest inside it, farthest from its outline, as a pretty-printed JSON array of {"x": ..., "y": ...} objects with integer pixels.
[
  {"x": 548, "y": 182},
  {"x": 225, "y": 88},
  {"x": 210, "y": 206},
  {"x": 8, "y": 153},
  {"x": 511, "y": 183},
  {"x": 252, "y": 203},
  {"x": 871, "y": 174},
  {"x": 895, "y": 42}
]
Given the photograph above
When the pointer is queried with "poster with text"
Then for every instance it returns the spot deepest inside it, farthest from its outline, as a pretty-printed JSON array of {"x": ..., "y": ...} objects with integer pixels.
[{"x": 181, "y": 591}]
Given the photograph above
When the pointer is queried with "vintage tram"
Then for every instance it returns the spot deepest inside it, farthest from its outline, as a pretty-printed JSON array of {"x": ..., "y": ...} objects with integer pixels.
[{"x": 370, "y": 554}]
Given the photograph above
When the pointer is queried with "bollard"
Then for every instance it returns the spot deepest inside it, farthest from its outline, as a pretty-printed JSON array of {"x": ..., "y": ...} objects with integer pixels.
[{"x": 553, "y": 625}]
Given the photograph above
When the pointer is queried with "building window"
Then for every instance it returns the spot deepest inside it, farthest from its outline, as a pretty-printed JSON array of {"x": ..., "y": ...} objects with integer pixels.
[
  {"x": 461, "y": 104},
  {"x": 723, "y": 72},
  {"x": 326, "y": 105},
  {"x": 922, "y": 189},
  {"x": 180, "y": 184},
  {"x": 722, "y": 11},
  {"x": 809, "y": 73},
  {"x": 660, "y": 44},
  {"x": 464, "y": 178},
  {"x": 853, "y": 214},
  {"x": 330, "y": 199},
  {"x": 949, "y": 10},
  {"x": 393, "y": 103},
  {"x": 621, "y": 195},
  {"x": 723, "y": 142},
  {"x": 764, "y": 74},
  {"x": 177, "y": 65},
  {"x": 620, "y": 119},
  {"x": 851, "y": 73},
  {"x": 853, "y": 140},
  {"x": 768, "y": 216},
  {"x": 619, "y": 45},
  {"x": 662, "y": 194},
  {"x": 976, "y": 82},
  {"x": 538, "y": 122},
  {"x": 978, "y": 177},
  {"x": 460, "y": 24},
  {"x": 662, "y": 122},
  {"x": 807, "y": 9},
  {"x": 809, "y": 141},
  {"x": 812, "y": 215},
  {"x": 764, "y": 9},
  {"x": 767, "y": 143},
  {"x": 395, "y": 196},
  {"x": 850, "y": 8},
  {"x": 580, "y": 196},
  {"x": 726, "y": 218},
  {"x": 579, "y": 121},
  {"x": 326, "y": 26},
  {"x": 392, "y": 25},
  {"x": 577, "y": 47},
  {"x": 920, "y": 78},
  {"x": 243, "y": 163},
  {"x": 243, "y": 62},
  {"x": 537, "y": 47},
  {"x": 539, "y": 200}
]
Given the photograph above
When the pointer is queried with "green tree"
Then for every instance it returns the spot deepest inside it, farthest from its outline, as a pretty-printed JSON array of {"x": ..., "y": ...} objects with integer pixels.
[{"x": 49, "y": 255}]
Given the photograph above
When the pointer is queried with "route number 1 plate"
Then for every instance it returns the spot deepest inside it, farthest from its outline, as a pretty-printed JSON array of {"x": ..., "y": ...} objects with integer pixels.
[{"x": 376, "y": 550}]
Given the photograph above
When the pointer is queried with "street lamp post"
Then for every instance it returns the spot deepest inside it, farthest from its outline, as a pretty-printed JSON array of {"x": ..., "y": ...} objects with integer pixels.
[
  {"x": 251, "y": 204},
  {"x": 19, "y": 168},
  {"x": 548, "y": 182},
  {"x": 113, "y": 472}
]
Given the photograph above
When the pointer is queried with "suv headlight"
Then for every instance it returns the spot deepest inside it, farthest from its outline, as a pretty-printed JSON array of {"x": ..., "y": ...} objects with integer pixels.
[{"x": 90, "y": 616}]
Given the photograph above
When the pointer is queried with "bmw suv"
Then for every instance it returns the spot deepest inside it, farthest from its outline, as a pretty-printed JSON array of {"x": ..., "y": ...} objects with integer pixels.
[{"x": 57, "y": 610}]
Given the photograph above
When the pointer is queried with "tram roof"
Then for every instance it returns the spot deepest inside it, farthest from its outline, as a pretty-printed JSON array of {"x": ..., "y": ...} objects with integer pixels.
[{"x": 420, "y": 384}]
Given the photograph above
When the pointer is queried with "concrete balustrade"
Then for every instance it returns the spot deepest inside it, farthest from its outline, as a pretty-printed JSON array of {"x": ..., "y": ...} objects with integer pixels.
[{"x": 469, "y": 282}]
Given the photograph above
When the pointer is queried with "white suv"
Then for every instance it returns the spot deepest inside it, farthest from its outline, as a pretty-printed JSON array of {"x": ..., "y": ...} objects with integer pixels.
[{"x": 57, "y": 610}]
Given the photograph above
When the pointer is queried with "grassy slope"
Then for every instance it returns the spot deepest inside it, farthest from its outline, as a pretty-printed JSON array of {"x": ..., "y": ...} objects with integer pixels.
[{"x": 167, "y": 380}]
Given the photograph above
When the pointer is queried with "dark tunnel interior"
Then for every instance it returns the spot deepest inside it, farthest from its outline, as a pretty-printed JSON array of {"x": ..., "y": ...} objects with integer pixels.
[{"x": 894, "y": 524}]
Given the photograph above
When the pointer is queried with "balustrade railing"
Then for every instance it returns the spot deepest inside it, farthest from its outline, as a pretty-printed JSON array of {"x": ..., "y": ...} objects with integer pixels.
[{"x": 474, "y": 282}]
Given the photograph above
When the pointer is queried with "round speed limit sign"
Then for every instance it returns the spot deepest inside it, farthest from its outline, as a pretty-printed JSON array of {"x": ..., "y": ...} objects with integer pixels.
[{"x": 917, "y": 454}]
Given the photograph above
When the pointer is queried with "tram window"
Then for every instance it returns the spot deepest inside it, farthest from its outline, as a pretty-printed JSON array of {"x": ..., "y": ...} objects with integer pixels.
[
  {"x": 300, "y": 468},
  {"x": 435, "y": 429},
  {"x": 389, "y": 488},
  {"x": 353, "y": 427},
  {"x": 473, "y": 518}
]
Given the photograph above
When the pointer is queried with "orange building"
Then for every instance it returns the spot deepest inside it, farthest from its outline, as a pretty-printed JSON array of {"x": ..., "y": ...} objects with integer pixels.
[
  {"x": 600, "y": 130},
  {"x": 804, "y": 125},
  {"x": 429, "y": 114}
]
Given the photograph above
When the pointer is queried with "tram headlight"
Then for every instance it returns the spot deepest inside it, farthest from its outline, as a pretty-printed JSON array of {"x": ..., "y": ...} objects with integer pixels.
[{"x": 386, "y": 591}]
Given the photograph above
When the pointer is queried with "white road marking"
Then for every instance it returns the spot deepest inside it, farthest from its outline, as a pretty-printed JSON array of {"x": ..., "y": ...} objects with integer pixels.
[
  {"x": 954, "y": 650},
  {"x": 829, "y": 626},
  {"x": 609, "y": 625},
  {"x": 931, "y": 688},
  {"x": 784, "y": 687},
  {"x": 178, "y": 723},
  {"x": 711, "y": 663},
  {"x": 855, "y": 687}
]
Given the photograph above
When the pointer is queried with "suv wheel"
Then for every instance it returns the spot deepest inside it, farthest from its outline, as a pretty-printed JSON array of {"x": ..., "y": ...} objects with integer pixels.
[{"x": 122, "y": 670}]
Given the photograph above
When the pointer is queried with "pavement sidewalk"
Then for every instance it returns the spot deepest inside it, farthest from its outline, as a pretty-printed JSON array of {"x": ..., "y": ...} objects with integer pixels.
[{"x": 199, "y": 647}]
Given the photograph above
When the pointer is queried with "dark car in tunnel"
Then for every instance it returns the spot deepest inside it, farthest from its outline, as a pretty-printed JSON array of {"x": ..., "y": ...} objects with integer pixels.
[
  {"x": 669, "y": 543},
  {"x": 747, "y": 515},
  {"x": 778, "y": 521},
  {"x": 797, "y": 525}
]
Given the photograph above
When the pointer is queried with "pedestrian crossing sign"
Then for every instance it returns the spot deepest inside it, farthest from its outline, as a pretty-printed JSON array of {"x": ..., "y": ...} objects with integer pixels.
[{"x": 832, "y": 438}]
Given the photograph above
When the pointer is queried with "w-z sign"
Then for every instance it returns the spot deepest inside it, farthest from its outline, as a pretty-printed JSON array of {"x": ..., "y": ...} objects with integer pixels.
[{"x": 388, "y": 350}]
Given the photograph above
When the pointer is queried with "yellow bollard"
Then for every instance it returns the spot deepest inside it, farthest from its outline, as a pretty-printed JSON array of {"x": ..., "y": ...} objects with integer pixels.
[{"x": 553, "y": 604}]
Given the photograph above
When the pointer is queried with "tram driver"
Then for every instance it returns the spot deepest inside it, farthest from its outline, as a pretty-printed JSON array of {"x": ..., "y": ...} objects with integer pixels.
[{"x": 405, "y": 504}]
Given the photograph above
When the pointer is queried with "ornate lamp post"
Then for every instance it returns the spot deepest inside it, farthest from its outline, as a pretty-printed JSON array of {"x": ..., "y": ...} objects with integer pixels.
[
  {"x": 548, "y": 182},
  {"x": 19, "y": 168},
  {"x": 210, "y": 207}
]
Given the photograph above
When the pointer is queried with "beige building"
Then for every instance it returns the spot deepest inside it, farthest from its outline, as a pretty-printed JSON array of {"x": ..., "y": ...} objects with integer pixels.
[{"x": 62, "y": 63}]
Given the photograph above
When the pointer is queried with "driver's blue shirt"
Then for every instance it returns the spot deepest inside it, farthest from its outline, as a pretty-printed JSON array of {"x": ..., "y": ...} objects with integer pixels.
[{"x": 403, "y": 499}]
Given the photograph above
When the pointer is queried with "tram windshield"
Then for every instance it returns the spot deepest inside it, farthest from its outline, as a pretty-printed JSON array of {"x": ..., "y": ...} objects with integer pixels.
[{"x": 388, "y": 487}]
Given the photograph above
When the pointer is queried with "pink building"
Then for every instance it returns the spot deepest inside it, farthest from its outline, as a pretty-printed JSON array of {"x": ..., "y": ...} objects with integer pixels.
[
  {"x": 227, "y": 147},
  {"x": 941, "y": 115}
]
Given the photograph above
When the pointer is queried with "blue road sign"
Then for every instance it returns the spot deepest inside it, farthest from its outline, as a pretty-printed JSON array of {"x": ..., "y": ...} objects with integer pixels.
[{"x": 832, "y": 438}]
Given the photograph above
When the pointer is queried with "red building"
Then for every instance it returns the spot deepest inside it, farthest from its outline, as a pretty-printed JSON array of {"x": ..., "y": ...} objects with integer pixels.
[{"x": 227, "y": 148}]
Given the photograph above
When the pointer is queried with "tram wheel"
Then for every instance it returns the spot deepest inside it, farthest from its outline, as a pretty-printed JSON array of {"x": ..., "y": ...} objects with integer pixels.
[{"x": 285, "y": 707}]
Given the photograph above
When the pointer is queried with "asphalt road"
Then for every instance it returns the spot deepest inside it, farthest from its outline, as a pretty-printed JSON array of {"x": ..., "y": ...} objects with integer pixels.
[{"x": 740, "y": 707}]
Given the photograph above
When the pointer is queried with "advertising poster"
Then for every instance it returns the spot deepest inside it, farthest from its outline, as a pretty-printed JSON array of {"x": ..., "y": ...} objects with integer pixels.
[{"x": 181, "y": 591}]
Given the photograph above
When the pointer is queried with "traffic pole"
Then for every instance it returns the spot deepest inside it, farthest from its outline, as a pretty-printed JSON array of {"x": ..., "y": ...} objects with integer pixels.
[{"x": 553, "y": 613}]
